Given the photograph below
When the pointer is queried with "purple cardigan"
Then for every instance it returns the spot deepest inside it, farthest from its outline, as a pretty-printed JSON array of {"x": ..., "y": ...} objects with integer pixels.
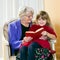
[{"x": 14, "y": 34}]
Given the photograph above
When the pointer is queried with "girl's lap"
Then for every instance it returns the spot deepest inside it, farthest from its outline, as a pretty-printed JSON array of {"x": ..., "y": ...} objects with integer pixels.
[{"x": 42, "y": 54}]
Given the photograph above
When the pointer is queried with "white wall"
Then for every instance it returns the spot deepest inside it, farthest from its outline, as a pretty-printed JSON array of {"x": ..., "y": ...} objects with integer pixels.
[
  {"x": 1, "y": 22},
  {"x": 11, "y": 7},
  {"x": 37, "y": 5},
  {"x": 8, "y": 9}
]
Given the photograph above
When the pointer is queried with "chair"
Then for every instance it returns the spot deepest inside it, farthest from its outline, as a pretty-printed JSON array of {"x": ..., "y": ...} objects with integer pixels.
[
  {"x": 7, "y": 55},
  {"x": 52, "y": 42},
  {"x": 6, "y": 43}
]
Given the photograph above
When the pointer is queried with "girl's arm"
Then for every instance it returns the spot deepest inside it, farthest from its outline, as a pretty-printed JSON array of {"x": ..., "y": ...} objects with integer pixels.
[
  {"x": 52, "y": 36},
  {"x": 49, "y": 32}
]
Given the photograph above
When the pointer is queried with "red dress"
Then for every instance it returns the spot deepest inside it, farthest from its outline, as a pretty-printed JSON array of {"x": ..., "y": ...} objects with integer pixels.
[{"x": 41, "y": 42}]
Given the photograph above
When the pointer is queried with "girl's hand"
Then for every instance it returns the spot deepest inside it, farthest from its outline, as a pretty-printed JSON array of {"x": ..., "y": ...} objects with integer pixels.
[
  {"x": 44, "y": 33},
  {"x": 43, "y": 37},
  {"x": 27, "y": 39}
]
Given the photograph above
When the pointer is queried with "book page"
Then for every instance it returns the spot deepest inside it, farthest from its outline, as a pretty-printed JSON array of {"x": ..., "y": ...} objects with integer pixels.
[
  {"x": 39, "y": 30},
  {"x": 30, "y": 32}
]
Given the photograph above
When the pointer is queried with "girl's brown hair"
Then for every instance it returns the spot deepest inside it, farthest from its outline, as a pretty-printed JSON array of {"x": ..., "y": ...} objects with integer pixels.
[{"x": 44, "y": 15}]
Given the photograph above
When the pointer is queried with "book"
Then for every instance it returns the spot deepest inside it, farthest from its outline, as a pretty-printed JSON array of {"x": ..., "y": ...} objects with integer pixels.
[{"x": 34, "y": 34}]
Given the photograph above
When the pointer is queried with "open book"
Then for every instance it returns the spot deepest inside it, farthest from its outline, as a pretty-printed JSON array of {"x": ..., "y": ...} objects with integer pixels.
[{"x": 34, "y": 33}]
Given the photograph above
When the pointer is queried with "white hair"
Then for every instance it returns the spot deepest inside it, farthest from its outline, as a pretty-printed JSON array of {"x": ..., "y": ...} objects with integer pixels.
[{"x": 25, "y": 10}]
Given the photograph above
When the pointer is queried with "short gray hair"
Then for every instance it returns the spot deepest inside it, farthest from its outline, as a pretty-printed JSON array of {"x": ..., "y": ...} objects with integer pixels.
[{"x": 25, "y": 10}]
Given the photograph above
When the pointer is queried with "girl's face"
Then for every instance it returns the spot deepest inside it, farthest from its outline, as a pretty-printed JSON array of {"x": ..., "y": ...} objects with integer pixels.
[{"x": 41, "y": 22}]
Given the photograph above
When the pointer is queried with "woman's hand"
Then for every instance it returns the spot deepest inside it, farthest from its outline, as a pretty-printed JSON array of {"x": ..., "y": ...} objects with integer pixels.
[
  {"x": 27, "y": 39},
  {"x": 23, "y": 41},
  {"x": 43, "y": 37}
]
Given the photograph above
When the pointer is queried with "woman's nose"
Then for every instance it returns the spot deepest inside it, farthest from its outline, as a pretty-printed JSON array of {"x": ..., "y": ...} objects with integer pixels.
[{"x": 31, "y": 17}]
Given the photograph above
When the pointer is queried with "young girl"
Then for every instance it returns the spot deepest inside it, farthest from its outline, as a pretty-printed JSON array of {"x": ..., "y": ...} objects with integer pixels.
[{"x": 41, "y": 33}]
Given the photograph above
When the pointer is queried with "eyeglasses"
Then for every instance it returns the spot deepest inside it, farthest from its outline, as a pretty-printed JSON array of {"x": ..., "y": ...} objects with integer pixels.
[{"x": 29, "y": 16}]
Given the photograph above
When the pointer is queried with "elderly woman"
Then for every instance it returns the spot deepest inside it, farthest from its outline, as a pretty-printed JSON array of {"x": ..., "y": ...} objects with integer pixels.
[{"x": 17, "y": 29}]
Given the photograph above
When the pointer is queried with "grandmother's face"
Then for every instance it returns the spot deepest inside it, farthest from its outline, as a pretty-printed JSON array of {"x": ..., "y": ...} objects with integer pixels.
[{"x": 28, "y": 17}]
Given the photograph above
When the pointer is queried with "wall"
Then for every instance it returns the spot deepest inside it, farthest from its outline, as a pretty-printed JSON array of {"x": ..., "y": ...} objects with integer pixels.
[
  {"x": 1, "y": 22},
  {"x": 52, "y": 7},
  {"x": 37, "y": 5},
  {"x": 8, "y": 10}
]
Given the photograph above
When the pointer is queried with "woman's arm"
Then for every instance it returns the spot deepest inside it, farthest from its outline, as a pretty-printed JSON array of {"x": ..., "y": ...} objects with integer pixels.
[{"x": 12, "y": 34}]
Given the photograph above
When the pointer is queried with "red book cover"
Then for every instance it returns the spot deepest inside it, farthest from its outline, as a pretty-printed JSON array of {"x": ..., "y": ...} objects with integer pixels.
[{"x": 34, "y": 34}]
